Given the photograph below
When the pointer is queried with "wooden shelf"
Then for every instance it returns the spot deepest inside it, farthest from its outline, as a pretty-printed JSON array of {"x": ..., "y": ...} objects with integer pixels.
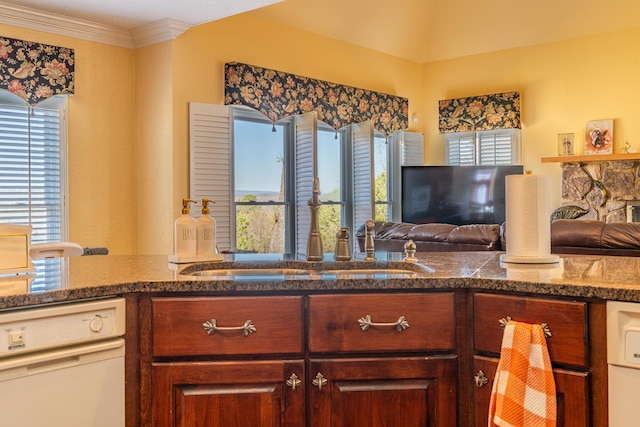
[{"x": 592, "y": 158}]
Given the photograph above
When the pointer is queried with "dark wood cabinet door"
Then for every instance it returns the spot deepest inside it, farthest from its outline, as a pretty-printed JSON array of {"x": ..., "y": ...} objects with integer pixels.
[
  {"x": 572, "y": 393},
  {"x": 383, "y": 392},
  {"x": 228, "y": 394}
]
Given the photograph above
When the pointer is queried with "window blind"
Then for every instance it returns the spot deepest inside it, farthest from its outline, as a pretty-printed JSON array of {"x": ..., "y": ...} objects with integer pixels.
[{"x": 30, "y": 170}]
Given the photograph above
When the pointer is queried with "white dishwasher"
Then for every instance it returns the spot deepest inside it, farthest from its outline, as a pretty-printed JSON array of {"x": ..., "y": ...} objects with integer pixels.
[
  {"x": 623, "y": 358},
  {"x": 63, "y": 365}
]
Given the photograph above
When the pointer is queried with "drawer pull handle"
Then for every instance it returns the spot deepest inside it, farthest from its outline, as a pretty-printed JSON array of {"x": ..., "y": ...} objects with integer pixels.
[
  {"x": 293, "y": 381},
  {"x": 365, "y": 323},
  {"x": 211, "y": 327},
  {"x": 319, "y": 381},
  {"x": 480, "y": 379},
  {"x": 545, "y": 328}
]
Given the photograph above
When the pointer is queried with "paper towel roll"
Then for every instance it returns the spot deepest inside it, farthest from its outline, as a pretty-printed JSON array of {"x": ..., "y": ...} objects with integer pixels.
[{"x": 527, "y": 217}]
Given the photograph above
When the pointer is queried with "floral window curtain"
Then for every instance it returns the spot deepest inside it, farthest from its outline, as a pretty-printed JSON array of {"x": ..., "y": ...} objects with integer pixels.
[
  {"x": 35, "y": 71},
  {"x": 277, "y": 95},
  {"x": 478, "y": 113}
]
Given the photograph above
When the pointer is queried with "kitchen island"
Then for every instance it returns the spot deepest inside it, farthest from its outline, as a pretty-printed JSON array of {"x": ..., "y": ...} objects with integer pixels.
[{"x": 318, "y": 352}]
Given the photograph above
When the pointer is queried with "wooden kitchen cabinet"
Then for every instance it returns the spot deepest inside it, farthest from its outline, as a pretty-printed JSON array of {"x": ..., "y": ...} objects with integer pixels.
[
  {"x": 400, "y": 359},
  {"x": 226, "y": 362},
  {"x": 321, "y": 360},
  {"x": 380, "y": 392},
  {"x": 575, "y": 344},
  {"x": 381, "y": 388},
  {"x": 228, "y": 394},
  {"x": 572, "y": 394}
]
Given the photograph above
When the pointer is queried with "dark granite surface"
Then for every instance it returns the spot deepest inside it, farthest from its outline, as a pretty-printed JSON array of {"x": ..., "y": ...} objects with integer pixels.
[{"x": 86, "y": 277}]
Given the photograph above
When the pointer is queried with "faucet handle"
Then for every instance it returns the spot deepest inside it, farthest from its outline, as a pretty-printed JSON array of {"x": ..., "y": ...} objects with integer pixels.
[
  {"x": 368, "y": 241},
  {"x": 410, "y": 251},
  {"x": 343, "y": 252}
]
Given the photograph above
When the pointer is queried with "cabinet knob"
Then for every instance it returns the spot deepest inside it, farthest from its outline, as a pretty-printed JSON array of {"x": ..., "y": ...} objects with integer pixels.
[
  {"x": 480, "y": 379},
  {"x": 365, "y": 323},
  {"x": 211, "y": 327},
  {"x": 293, "y": 381},
  {"x": 319, "y": 381},
  {"x": 545, "y": 327}
]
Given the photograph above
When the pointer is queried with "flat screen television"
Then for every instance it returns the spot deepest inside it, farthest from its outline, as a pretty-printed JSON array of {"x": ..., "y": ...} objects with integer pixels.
[{"x": 457, "y": 195}]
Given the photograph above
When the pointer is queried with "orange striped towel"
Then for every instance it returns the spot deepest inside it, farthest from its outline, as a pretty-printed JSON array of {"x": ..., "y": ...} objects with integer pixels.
[{"x": 523, "y": 392}]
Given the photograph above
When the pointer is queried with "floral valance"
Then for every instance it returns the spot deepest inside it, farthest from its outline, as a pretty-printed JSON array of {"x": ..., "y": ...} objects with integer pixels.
[
  {"x": 477, "y": 113},
  {"x": 277, "y": 95},
  {"x": 35, "y": 71}
]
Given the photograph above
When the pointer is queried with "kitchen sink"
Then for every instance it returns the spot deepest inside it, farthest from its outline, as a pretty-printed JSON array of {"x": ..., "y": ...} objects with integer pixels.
[
  {"x": 254, "y": 273},
  {"x": 368, "y": 273},
  {"x": 257, "y": 273}
]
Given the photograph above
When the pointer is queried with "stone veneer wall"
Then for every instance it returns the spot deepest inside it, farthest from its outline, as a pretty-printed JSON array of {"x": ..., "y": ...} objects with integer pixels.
[{"x": 601, "y": 187}]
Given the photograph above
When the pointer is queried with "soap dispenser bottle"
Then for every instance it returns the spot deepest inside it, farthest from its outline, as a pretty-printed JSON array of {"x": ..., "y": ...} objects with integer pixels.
[
  {"x": 206, "y": 231},
  {"x": 184, "y": 232}
]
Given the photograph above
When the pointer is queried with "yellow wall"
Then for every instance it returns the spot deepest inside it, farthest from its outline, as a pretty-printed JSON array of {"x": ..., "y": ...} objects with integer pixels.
[
  {"x": 153, "y": 150},
  {"x": 200, "y": 55},
  {"x": 100, "y": 130},
  {"x": 563, "y": 85}
]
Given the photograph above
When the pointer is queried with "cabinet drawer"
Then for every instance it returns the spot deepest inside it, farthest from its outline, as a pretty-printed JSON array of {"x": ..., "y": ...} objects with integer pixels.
[
  {"x": 337, "y": 322},
  {"x": 274, "y": 326},
  {"x": 567, "y": 323}
]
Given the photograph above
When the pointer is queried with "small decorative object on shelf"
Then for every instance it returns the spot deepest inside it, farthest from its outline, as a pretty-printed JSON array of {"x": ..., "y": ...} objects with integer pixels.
[
  {"x": 598, "y": 137},
  {"x": 627, "y": 148},
  {"x": 565, "y": 144}
]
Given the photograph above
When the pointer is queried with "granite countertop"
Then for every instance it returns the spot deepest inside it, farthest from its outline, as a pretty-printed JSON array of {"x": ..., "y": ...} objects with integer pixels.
[{"x": 86, "y": 277}]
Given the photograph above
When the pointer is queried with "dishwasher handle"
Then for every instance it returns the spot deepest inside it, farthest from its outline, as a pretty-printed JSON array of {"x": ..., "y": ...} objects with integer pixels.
[{"x": 28, "y": 364}]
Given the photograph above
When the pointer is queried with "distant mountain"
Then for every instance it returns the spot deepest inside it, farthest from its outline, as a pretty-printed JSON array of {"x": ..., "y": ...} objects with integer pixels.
[{"x": 261, "y": 196}]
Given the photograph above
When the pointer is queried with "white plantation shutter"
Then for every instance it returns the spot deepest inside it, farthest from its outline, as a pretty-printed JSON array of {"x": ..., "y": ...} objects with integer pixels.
[
  {"x": 211, "y": 165},
  {"x": 33, "y": 167},
  {"x": 407, "y": 149},
  {"x": 306, "y": 142},
  {"x": 496, "y": 148},
  {"x": 461, "y": 149},
  {"x": 412, "y": 145},
  {"x": 501, "y": 147},
  {"x": 363, "y": 179}
]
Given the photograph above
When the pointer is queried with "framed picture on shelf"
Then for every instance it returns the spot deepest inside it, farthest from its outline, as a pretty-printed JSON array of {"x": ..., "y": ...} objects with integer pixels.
[
  {"x": 565, "y": 144},
  {"x": 598, "y": 137}
]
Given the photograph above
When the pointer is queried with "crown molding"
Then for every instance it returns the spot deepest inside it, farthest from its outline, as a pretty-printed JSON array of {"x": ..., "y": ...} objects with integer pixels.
[
  {"x": 145, "y": 35},
  {"x": 156, "y": 32}
]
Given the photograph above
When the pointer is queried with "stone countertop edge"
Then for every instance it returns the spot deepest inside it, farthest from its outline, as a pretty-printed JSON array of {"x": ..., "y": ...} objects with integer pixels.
[{"x": 109, "y": 276}]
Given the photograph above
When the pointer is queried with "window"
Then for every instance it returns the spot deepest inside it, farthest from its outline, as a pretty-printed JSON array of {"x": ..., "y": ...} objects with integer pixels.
[
  {"x": 264, "y": 210},
  {"x": 33, "y": 166},
  {"x": 330, "y": 159},
  {"x": 381, "y": 178},
  {"x": 261, "y": 202},
  {"x": 498, "y": 147},
  {"x": 260, "y": 176}
]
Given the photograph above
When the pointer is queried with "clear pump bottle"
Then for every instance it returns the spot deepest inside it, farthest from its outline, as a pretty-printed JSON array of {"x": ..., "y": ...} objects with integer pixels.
[
  {"x": 184, "y": 232},
  {"x": 206, "y": 231}
]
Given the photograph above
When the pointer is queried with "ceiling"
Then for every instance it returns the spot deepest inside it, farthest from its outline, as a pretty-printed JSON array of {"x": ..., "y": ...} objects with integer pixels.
[{"x": 417, "y": 30}]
